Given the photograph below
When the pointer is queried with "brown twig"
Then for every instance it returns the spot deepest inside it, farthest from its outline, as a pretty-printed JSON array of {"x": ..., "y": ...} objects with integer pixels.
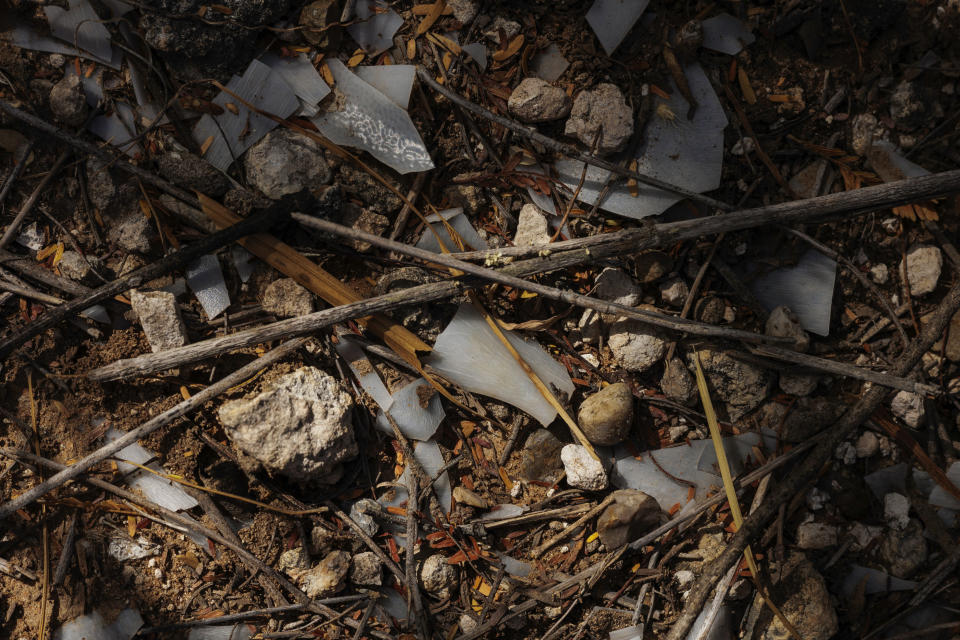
[
  {"x": 21, "y": 162},
  {"x": 742, "y": 115}
]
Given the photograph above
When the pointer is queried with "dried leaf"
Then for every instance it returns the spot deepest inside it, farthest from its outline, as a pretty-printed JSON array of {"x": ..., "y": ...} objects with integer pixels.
[
  {"x": 411, "y": 49},
  {"x": 512, "y": 48},
  {"x": 745, "y": 87},
  {"x": 356, "y": 58},
  {"x": 435, "y": 11}
]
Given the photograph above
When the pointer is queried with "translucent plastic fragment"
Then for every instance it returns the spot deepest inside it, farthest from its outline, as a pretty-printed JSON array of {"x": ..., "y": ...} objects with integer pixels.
[
  {"x": 726, "y": 34},
  {"x": 206, "y": 281},
  {"x": 460, "y": 224},
  {"x": 891, "y": 165},
  {"x": 516, "y": 568},
  {"x": 417, "y": 410},
  {"x": 893, "y": 479},
  {"x": 633, "y": 632},
  {"x": 80, "y": 27},
  {"x": 118, "y": 128},
  {"x": 362, "y": 117},
  {"x": 243, "y": 261},
  {"x": 470, "y": 354},
  {"x": 379, "y": 22},
  {"x": 807, "y": 288},
  {"x": 393, "y": 603},
  {"x": 478, "y": 53},
  {"x": 549, "y": 64},
  {"x": 392, "y": 80},
  {"x": 503, "y": 511},
  {"x": 719, "y": 630},
  {"x": 694, "y": 463},
  {"x": 685, "y": 153},
  {"x": 876, "y": 581},
  {"x": 93, "y": 626},
  {"x": 23, "y": 35},
  {"x": 240, "y": 631},
  {"x": 415, "y": 407},
  {"x": 362, "y": 368},
  {"x": 303, "y": 78},
  {"x": 154, "y": 487},
  {"x": 230, "y": 134},
  {"x": 612, "y": 20},
  {"x": 939, "y": 497},
  {"x": 97, "y": 313}
]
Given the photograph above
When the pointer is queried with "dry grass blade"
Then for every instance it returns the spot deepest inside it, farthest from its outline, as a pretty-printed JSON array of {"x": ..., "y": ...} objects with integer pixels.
[
  {"x": 731, "y": 490},
  {"x": 435, "y": 12},
  {"x": 45, "y": 589},
  {"x": 291, "y": 262}
]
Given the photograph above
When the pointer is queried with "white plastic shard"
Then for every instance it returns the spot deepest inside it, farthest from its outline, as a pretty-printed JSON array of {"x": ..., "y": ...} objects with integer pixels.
[
  {"x": 392, "y": 80},
  {"x": 549, "y": 64},
  {"x": 415, "y": 407},
  {"x": 93, "y": 626},
  {"x": 119, "y": 128},
  {"x": 893, "y": 479},
  {"x": 939, "y": 497},
  {"x": 379, "y": 22},
  {"x": 685, "y": 153},
  {"x": 719, "y": 630},
  {"x": 417, "y": 410},
  {"x": 393, "y": 603},
  {"x": 80, "y": 27},
  {"x": 876, "y": 581},
  {"x": 26, "y": 37},
  {"x": 633, "y": 632},
  {"x": 470, "y": 354},
  {"x": 231, "y": 134},
  {"x": 243, "y": 261},
  {"x": 478, "y": 53},
  {"x": 890, "y": 164},
  {"x": 239, "y": 631},
  {"x": 726, "y": 34},
  {"x": 612, "y": 20},
  {"x": 503, "y": 511},
  {"x": 516, "y": 568},
  {"x": 362, "y": 368},
  {"x": 691, "y": 463},
  {"x": 303, "y": 78},
  {"x": 807, "y": 288},
  {"x": 428, "y": 241},
  {"x": 97, "y": 313},
  {"x": 205, "y": 279},
  {"x": 154, "y": 487},
  {"x": 362, "y": 117}
]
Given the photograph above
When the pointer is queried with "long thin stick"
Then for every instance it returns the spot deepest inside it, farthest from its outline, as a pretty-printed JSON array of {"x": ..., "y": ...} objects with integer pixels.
[
  {"x": 560, "y": 147},
  {"x": 648, "y": 317},
  {"x": 148, "y": 427}
]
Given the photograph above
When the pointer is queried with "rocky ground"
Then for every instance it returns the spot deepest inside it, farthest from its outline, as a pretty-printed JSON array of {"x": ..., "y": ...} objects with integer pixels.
[{"x": 314, "y": 467}]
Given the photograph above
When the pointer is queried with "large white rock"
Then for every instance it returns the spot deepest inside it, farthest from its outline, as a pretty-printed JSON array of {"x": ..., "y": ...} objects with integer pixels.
[
  {"x": 636, "y": 346},
  {"x": 531, "y": 227},
  {"x": 300, "y": 427},
  {"x": 908, "y": 407},
  {"x": 536, "y": 100},
  {"x": 285, "y": 162}
]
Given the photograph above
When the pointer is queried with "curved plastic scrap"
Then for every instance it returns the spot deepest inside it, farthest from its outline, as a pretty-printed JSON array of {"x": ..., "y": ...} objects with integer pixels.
[
  {"x": 362, "y": 117},
  {"x": 153, "y": 487},
  {"x": 206, "y": 280},
  {"x": 807, "y": 288},
  {"x": 460, "y": 224},
  {"x": 470, "y": 354},
  {"x": 726, "y": 34},
  {"x": 379, "y": 22},
  {"x": 81, "y": 26},
  {"x": 394, "y": 81},
  {"x": 612, "y": 20},
  {"x": 303, "y": 78},
  {"x": 93, "y": 626}
]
